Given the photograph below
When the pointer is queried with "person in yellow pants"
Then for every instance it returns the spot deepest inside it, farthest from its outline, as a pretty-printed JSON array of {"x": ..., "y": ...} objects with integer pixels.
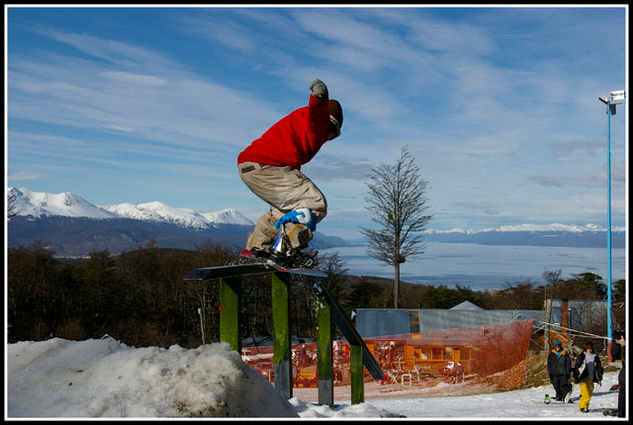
[
  {"x": 586, "y": 391},
  {"x": 587, "y": 371}
]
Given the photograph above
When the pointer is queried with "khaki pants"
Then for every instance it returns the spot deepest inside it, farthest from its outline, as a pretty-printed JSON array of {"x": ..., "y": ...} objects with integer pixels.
[{"x": 284, "y": 189}]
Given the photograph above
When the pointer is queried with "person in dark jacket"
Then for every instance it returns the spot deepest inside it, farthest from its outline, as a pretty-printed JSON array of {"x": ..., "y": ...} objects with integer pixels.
[
  {"x": 559, "y": 370},
  {"x": 587, "y": 371},
  {"x": 618, "y": 353}
]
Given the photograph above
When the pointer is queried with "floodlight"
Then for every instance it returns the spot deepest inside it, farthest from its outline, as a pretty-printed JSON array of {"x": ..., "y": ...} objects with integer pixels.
[
  {"x": 611, "y": 105},
  {"x": 617, "y": 95}
]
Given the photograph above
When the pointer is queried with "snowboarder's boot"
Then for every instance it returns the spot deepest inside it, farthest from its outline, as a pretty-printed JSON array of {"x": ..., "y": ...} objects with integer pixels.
[
  {"x": 300, "y": 259},
  {"x": 262, "y": 253}
]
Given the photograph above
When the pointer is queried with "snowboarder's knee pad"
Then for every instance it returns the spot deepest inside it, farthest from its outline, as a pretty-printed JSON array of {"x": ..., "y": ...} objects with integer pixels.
[{"x": 298, "y": 234}]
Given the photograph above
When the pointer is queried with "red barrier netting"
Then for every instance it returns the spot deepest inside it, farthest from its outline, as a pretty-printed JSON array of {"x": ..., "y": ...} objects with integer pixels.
[{"x": 491, "y": 356}]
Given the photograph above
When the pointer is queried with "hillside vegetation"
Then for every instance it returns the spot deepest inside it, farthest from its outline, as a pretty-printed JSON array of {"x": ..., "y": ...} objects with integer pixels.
[{"x": 140, "y": 298}]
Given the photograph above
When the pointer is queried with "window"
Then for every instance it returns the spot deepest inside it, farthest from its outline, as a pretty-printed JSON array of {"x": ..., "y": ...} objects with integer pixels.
[
  {"x": 438, "y": 353},
  {"x": 448, "y": 353}
]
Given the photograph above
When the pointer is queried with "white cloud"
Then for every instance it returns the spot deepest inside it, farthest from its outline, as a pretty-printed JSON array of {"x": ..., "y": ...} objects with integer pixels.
[
  {"x": 216, "y": 29},
  {"x": 343, "y": 30},
  {"x": 588, "y": 180},
  {"x": 172, "y": 106},
  {"x": 26, "y": 175},
  {"x": 135, "y": 79},
  {"x": 569, "y": 148}
]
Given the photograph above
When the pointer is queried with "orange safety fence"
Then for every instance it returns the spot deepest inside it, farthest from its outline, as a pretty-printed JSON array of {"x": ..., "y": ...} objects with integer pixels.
[{"x": 493, "y": 355}]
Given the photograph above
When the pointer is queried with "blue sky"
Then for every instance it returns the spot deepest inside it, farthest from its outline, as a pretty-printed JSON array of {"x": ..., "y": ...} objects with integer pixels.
[{"x": 499, "y": 105}]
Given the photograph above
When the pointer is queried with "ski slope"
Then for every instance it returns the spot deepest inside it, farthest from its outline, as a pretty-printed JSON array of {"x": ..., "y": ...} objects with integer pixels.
[{"x": 106, "y": 379}]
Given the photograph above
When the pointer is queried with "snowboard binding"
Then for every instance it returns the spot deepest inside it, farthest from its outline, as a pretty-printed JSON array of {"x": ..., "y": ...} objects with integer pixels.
[
  {"x": 290, "y": 259},
  {"x": 287, "y": 257}
]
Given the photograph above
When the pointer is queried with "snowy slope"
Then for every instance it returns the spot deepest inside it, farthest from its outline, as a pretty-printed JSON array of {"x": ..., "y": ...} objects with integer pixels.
[{"x": 104, "y": 378}]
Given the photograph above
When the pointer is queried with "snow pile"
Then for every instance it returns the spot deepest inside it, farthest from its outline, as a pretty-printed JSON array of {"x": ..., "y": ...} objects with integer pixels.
[
  {"x": 104, "y": 378},
  {"x": 312, "y": 410}
]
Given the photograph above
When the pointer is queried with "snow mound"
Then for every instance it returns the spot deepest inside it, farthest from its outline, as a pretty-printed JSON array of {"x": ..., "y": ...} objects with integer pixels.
[
  {"x": 312, "y": 410},
  {"x": 104, "y": 378}
]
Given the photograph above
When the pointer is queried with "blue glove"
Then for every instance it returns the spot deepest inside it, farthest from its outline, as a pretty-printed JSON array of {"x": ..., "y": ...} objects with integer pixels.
[{"x": 300, "y": 215}]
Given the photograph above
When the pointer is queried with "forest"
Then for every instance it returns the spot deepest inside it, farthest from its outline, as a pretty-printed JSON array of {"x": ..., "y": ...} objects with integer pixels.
[{"x": 140, "y": 297}]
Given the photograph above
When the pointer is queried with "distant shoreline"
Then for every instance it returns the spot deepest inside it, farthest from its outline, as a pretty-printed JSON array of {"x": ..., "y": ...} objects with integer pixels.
[{"x": 485, "y": 266}]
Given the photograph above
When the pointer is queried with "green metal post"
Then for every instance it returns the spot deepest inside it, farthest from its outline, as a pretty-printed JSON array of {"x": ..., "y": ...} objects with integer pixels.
[
  {"x": 324, "y": 353},
  {"x": 282, "y": 353},
  {"x": 230, "y": 313},
  {"x": 356, "y": 371}
]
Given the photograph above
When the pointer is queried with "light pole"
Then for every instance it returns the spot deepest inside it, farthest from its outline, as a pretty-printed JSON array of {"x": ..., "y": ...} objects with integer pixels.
[{"x": 611, "y": 103}]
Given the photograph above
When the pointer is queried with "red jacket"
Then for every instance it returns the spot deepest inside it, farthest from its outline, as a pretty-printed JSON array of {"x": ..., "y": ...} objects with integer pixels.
[{"x": 294, "y": 139}]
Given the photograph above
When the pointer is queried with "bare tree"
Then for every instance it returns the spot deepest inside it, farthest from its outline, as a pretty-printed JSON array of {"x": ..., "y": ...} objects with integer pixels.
[
  {"x": 552, "y": 277},
  {"x": 397, "y": 203}
]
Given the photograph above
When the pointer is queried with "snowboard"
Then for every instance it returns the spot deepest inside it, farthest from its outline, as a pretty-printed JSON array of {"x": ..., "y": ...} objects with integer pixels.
[
  {"x": 610, "y": 411},
  {"x": 246, "y": 253}
]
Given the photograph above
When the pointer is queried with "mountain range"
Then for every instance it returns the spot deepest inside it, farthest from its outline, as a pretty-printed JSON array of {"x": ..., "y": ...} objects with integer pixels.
[
  {"x": 73, "y": 226},
  {"x": 66, "y": 204}
]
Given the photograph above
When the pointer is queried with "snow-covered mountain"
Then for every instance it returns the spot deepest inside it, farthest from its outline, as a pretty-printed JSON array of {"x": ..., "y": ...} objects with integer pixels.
[
  {"x": 38, "y": 204},
  {"x": 553, "y": 227},
  {"x": 555, "y": 234},
  {"x": 228, "y": 215},
  {"x": 72, "y": 226}
]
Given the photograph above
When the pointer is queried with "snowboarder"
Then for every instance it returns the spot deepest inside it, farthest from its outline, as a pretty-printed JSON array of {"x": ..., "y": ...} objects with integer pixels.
[
  {"x": 587, "y": 371},
  {"x": 271, "y": 168},
  {"x": 618, "y": 353},
  {"x": 559, "y": 370}
]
